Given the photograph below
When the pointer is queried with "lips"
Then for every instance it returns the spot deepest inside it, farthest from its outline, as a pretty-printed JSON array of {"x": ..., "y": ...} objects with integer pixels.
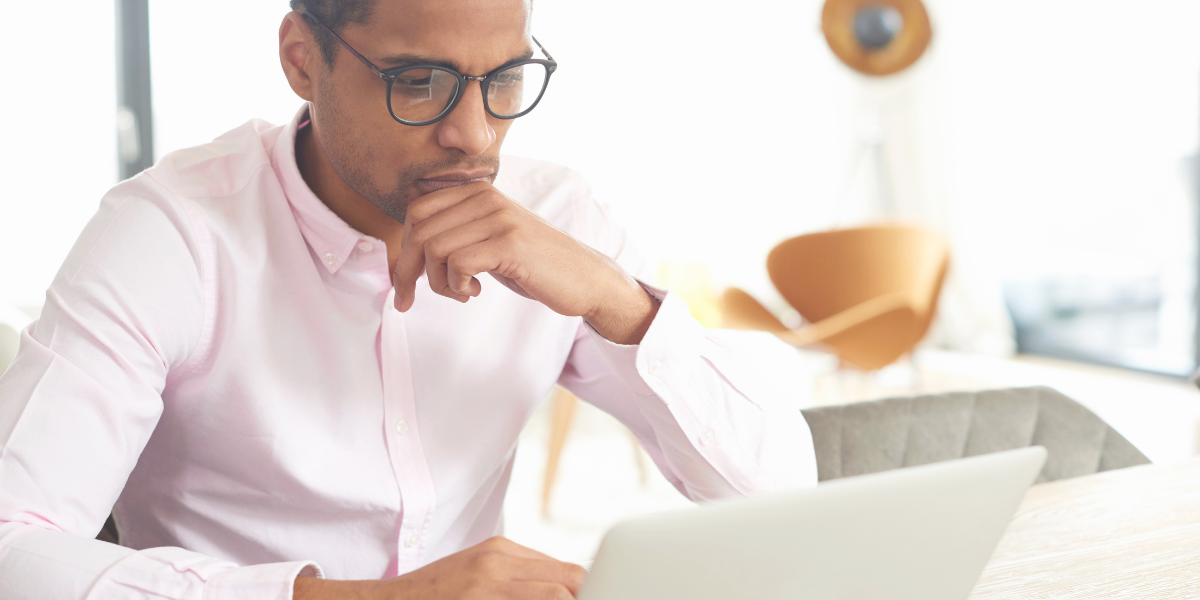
[{"x": 430, "y": 184}]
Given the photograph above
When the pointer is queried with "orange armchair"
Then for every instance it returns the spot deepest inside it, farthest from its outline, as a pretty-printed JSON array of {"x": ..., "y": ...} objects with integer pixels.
[{"x": 868, "y": 294}]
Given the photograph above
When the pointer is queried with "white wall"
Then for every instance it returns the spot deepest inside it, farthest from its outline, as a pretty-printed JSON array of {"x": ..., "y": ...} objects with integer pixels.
[
  {"x": 215, "y": 68},
  {"x": 58, "y": 154}
]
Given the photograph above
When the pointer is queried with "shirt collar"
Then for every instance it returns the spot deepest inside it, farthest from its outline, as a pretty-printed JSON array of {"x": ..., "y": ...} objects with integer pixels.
[{"x": 331, "y": 239}]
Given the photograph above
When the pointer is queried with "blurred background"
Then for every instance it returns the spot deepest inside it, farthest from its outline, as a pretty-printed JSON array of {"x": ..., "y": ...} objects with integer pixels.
[{"x": 1052, "y": 143}]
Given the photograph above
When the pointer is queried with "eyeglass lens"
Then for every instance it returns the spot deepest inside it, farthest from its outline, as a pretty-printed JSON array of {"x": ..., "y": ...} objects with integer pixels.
[{"x": 422, "y": 94}]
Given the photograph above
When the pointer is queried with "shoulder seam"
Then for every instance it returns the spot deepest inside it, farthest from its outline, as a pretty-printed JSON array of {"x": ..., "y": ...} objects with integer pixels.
[
  {"x": 150, "y": 175},
  {"x": 208, "y": 280}
]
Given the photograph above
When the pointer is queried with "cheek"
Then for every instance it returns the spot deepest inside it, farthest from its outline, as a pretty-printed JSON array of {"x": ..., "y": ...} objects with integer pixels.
[{"x": 367, "y": 141}]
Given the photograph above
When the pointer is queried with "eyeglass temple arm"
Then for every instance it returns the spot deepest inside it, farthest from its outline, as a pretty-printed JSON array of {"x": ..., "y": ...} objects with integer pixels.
[
  {"x": 542, "y": 48},
  {"x": 370, "y": 65}
]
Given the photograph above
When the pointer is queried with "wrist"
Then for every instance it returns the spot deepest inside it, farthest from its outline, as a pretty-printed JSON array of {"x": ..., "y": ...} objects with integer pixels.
[
  {"x": 624, "y": 315},
  {"x": 315, "y": 588}
]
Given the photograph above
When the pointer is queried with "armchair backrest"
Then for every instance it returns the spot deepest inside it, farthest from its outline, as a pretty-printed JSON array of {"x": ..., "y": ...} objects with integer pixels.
[{"x": 822, "y": 274}]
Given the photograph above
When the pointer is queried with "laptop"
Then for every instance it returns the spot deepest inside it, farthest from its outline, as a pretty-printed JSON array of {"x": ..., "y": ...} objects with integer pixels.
[{"x": 918, "y": 533}]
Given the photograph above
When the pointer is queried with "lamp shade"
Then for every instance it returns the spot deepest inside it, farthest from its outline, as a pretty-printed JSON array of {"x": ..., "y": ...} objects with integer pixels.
[{"x": 876, "y": 37}]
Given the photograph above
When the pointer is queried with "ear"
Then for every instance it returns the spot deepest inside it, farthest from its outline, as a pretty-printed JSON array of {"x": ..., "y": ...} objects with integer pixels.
[{"x": 299, "y": 55}]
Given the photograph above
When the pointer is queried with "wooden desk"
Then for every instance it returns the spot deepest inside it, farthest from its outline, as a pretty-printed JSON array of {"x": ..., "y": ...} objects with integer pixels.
[{"x": 1132, "y": 533}]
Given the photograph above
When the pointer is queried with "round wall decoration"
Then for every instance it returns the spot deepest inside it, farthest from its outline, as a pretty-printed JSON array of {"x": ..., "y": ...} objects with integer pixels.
[{"x": 876, "y": 37}]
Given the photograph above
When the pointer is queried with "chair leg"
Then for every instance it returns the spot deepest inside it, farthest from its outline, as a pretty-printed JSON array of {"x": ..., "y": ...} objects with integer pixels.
[{"x": 562, "y": 411}]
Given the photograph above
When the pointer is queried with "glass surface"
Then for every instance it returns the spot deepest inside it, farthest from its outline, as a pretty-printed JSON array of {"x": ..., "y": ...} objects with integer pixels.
[
  {"x": 422, "y": 94},
  {"x": 515, "y": 90}
]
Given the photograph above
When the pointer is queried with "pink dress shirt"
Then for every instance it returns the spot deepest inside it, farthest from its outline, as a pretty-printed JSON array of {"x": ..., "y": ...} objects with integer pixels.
[{"x": 219, "y": 358}]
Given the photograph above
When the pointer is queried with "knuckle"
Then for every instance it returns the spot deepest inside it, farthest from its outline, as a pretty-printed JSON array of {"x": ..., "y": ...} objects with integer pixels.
[
  {"x": 506, "y": 218},
  {"x": 436, "y": 247},
  {"x": 416, "y": 235},
  {"x": 505, "y": 221},
  {"x": 496, "y": 199},
  {"x": 418, "y": 211},
  {"x": 490, "y": 562},
  {"x": 558, "y": 592},
  {"x": 457, "y": 262},
  {"x": 576, "y": 573}
]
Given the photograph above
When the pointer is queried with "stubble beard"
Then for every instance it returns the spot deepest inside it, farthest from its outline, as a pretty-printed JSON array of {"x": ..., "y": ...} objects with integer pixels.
[{"x": 352, "y": 162}]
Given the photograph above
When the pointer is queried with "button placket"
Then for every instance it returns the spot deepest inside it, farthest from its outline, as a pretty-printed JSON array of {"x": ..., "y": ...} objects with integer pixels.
[{"x": 404, "y": 443}]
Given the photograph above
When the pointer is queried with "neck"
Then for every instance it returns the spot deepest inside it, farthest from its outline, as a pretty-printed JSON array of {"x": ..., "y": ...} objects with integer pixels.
[{"x": 343, "y": 200}]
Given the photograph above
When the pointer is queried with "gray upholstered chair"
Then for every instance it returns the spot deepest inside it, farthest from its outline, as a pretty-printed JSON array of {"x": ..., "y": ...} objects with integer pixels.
[{"x": 867, "y": 437}]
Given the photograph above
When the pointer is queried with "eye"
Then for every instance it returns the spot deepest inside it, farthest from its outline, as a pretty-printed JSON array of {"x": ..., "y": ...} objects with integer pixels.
[
  {"x": 510, "y": 77},
  {"x": 415, "y": 85}
]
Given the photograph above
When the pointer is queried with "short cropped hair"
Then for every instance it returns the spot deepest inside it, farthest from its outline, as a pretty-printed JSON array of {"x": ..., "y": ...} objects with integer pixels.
[{"x": 336, "y": 15}]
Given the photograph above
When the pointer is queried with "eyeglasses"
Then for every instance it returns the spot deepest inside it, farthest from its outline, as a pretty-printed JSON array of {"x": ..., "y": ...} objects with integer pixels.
[{"x": 424, "y": 94}]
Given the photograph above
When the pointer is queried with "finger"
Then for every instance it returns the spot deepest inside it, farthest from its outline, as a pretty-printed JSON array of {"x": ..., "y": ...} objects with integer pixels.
[
  {"x": 464, "y": 264},
  {"x": 498, "y": 565},
  {"x": 399, "y": 297},
  {"x": 412, "y": 260},
  {"x": 527, "y": 564},
  {"x": 536, "y": 590},
  {"x": 549, "y": 571},
  {"x": 507, "y": 546},
  {"x": 433, "y": 203},
  {"x": 447, "y": 275}
]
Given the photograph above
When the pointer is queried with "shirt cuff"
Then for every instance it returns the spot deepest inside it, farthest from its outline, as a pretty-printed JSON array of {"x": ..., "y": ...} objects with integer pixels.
[
  {"x": 273, "y": 581},
  {"x": 673, "y": 330}
]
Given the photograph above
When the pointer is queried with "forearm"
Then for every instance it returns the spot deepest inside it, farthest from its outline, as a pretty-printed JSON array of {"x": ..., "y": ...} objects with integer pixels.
[
  {"x": 716, "y": 409},
  {"x": 314, "y": 588}
]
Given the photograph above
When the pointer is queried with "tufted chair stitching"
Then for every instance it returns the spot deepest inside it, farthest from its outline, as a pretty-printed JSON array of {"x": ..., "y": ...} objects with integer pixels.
[
  {"x": 1022, "y": 400},
  {"x": 908, "y": 425}
]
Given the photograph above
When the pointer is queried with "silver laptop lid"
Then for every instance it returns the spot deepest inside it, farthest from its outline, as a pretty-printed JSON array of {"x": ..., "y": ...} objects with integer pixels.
[{"x": 918, "y": 533}]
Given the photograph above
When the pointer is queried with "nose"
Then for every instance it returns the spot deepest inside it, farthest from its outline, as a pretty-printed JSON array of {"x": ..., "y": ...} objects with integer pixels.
[{"x": 467, "y": 127}]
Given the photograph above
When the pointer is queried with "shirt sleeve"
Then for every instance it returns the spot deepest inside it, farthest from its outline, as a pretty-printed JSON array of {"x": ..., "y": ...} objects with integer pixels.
[
  {"x": 718, "y": 411},
  {"x": 81, "y": 399}
]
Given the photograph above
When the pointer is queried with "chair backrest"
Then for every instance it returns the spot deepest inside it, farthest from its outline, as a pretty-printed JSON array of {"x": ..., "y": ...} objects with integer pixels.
[
  {"x": 867, "y": 437},
  {"x": 821, "y": 274},
  {"x": 12, "y": 321}
]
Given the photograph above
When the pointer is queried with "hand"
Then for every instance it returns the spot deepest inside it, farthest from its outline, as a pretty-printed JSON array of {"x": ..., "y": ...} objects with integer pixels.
[
  {"x": 456, "y": 233},
  {"x": 497, "y": 569}
]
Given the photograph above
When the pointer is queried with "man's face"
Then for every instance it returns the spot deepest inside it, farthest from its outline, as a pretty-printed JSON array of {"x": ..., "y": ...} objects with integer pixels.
[{"x": 392, "y": 164}]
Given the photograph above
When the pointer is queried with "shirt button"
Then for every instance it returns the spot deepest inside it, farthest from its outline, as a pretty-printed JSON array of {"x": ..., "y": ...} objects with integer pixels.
[
  {"x": 412, "y": 541},
  {"x": 366, "y": 246},
  {"x": 707, "y": 436},
  {"x": 401, "y": 427},
  {"x": 656, "y": 367},
  {"x": 330, "y": 258}
]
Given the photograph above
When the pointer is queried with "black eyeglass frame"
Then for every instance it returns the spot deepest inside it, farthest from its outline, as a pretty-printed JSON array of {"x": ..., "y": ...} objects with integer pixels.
[{"x": 389, "y": 75}]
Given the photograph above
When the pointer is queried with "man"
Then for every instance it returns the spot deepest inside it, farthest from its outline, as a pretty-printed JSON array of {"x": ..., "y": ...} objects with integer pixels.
[{"x": 289, "y": 359}]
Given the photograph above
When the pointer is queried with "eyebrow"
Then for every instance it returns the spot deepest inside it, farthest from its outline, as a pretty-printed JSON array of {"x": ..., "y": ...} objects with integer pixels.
[{"x": 404, "y": 60}]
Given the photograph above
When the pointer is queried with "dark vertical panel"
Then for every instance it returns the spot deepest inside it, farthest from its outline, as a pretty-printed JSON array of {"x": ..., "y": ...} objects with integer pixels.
[{"x": 135, "y": 125}]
